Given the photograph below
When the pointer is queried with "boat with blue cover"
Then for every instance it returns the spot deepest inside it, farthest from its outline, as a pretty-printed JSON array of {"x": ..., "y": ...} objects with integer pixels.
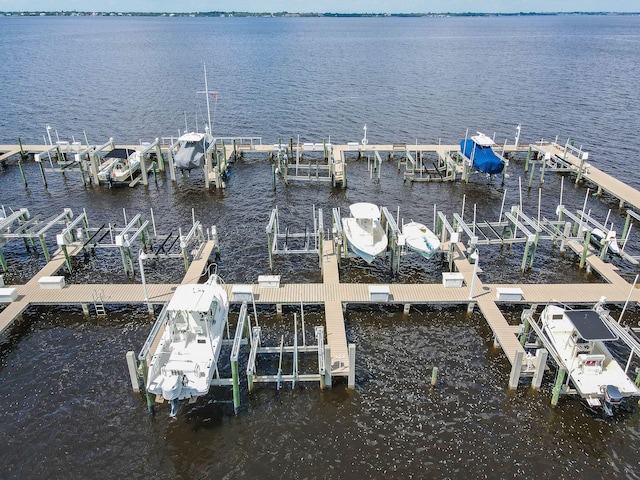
[{"x": 479, "y": 150}]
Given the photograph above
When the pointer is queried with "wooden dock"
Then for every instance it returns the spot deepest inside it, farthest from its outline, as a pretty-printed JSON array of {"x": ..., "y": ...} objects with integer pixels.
[{"x": 335, "y": 295}]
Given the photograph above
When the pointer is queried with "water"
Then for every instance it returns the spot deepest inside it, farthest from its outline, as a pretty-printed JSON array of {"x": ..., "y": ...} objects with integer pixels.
[{"x": 68, "y": 407}]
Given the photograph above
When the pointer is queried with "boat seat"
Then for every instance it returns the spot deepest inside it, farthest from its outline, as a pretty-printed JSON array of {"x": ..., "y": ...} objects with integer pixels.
[{"x": 591, "y": 363}]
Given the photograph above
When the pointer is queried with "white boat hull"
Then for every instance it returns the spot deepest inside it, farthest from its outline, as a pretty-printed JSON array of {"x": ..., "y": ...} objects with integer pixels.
[
  {"x": 366, "y": 243},
  {"x": 420, "y": 239},
  {"x": 185, "y": 360}
]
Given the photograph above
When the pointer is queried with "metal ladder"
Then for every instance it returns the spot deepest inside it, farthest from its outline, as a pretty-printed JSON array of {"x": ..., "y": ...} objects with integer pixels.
[{"x": 98, "y": 302}]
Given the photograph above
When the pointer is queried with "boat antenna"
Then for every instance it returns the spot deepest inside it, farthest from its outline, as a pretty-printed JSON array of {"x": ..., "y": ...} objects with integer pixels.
[{"x": 206, "y": 91}]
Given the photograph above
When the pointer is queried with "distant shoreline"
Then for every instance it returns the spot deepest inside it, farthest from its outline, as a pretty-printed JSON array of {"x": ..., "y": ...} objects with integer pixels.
[{"x": 74, "y": 13}]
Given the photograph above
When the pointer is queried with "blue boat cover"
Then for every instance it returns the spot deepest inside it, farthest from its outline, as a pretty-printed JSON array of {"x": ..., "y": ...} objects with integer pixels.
[{"x": 484, "y": 159}]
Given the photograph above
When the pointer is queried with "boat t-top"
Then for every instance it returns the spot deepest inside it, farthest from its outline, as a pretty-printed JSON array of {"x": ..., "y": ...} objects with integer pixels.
[{"x": 363, "y": 231}]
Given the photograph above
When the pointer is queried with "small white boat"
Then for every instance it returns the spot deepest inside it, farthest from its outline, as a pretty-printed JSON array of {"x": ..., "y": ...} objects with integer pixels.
[
  {"x": 579, "y": 339},
  {"x": 119, "y": 166},
  {"x": 420, "y": 239},
  {"x": 185, "y": 360},
  {"x": 597, "y": 236},
  {"x": 363, "y": 230}
]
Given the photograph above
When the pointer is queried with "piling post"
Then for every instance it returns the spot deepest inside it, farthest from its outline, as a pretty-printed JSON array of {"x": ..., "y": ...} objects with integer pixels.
[
  {"x": 133, "y": 371},
  {"x": 172, "y": 169},
  {"x": 583, "y": 159},
  {"x": 525, "y": 255},
  {"x": 23, "y": 157},
  {"x": 540, "y": 363},
  {"x": 145, "y": 374},
  {"x": 66, "y": 256},
  {"x": 273, "y": 174},
  {"x": 327, "y": 368},
  {"x": 533, "y": 169},
  {"x": 565, "y": 235},
  {"x": 3, "y": 262},
  {"x": 236, "y": 386},
  {"x": 44, "y": 248},
  {"x": 143, "y": 169},
  {"x": 44, "y": 178},
  {"x": 585, "y": 249},
  {"x": 516, "y": 368},
  {"x": 526, "y": 162},
  {"x": 627, "y": 222},
  {"x": 557, "y": 388},
  {"x": 434, "y": 376},
  {"x": 525, "y": 332},
  {"x": 533, "y": 249},
  {"x": 351, "y": 382}
]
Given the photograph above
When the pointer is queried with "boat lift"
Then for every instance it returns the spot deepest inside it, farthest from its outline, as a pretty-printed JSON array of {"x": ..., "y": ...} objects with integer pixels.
[
  {"x": 330, "y": 167},
  {"x": 389, "y": 224},
  {"x": 247, "y": 335},
  {"x": 20, "y": 224},
  {"x": 288, "y": 243},
  {"x": 538, "y": 342}
]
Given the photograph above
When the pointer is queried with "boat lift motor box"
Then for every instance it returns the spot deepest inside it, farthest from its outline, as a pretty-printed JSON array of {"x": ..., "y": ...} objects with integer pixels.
[
  {"x": 379, "y": 293},
  {"x": 51, "y": 283},
  {"x": 508, "y": 294},
  {"x": 242, "y": 293},
  {"x": 8, "y": 295},
  {"x": 452, "y": 279},
  {"x": 269, "y": 281}
]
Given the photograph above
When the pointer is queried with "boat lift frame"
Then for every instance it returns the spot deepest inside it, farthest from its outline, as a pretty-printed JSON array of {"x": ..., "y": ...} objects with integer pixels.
[
  {"x": 544, "y": 347},
  {"x": 247, "y": 335},
  {"x": 29, "y": 228},
  {"x": 278, "y": 243}
]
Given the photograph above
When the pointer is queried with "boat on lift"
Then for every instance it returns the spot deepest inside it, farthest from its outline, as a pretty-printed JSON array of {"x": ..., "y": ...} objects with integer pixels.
[
  {"x": 479, "y": 150},
  {"x": 363, "y": 231},
  {"x": 119, "y": 166},
  {"x": 598, "y": 236},
  {"x": 191, "y": 150},
  {"x": 420, "y": 239},
  {"x": 186, "y": 358},
  {"x": 577, "y": 340}
]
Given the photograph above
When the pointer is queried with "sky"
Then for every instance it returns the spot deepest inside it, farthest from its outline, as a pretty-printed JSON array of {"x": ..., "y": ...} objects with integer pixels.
[{"x": 334, "y": 6}]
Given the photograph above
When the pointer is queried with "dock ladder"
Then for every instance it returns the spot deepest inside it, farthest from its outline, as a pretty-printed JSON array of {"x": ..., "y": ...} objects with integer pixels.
[{"x": 98, "y": 302}]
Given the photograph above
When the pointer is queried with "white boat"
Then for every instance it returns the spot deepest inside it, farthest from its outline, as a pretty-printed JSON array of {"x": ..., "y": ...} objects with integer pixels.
[
  {"x": 363, "y": 230},
  {"x": 185, "y": 360},
  {"x": 119, "y": 166},
  {"x": 420, "y": 239},
  {"x": 578, "y": 343},
  {"x": 597, "y": 236}
]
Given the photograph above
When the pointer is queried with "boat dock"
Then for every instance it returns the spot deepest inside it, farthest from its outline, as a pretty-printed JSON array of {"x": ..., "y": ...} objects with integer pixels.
[{"x": 461, "y": 286}]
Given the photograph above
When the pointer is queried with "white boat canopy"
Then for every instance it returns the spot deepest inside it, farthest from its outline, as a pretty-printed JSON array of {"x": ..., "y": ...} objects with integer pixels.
[
  {"x": 482, "y": 140},
  {"x": 194, "y": 298},
  {"x": 364, "y": 210},
  {"x": 192, "y": 137}
]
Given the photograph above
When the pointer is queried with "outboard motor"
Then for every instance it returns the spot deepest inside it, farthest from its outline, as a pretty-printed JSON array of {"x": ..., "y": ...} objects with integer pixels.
[
  {"x": 171, "y": 389},
  {"x": 612, "y": 396}
]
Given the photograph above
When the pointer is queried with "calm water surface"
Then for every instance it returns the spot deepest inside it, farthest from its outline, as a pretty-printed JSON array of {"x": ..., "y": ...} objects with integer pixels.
[{"x": 68, "y": 407}]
